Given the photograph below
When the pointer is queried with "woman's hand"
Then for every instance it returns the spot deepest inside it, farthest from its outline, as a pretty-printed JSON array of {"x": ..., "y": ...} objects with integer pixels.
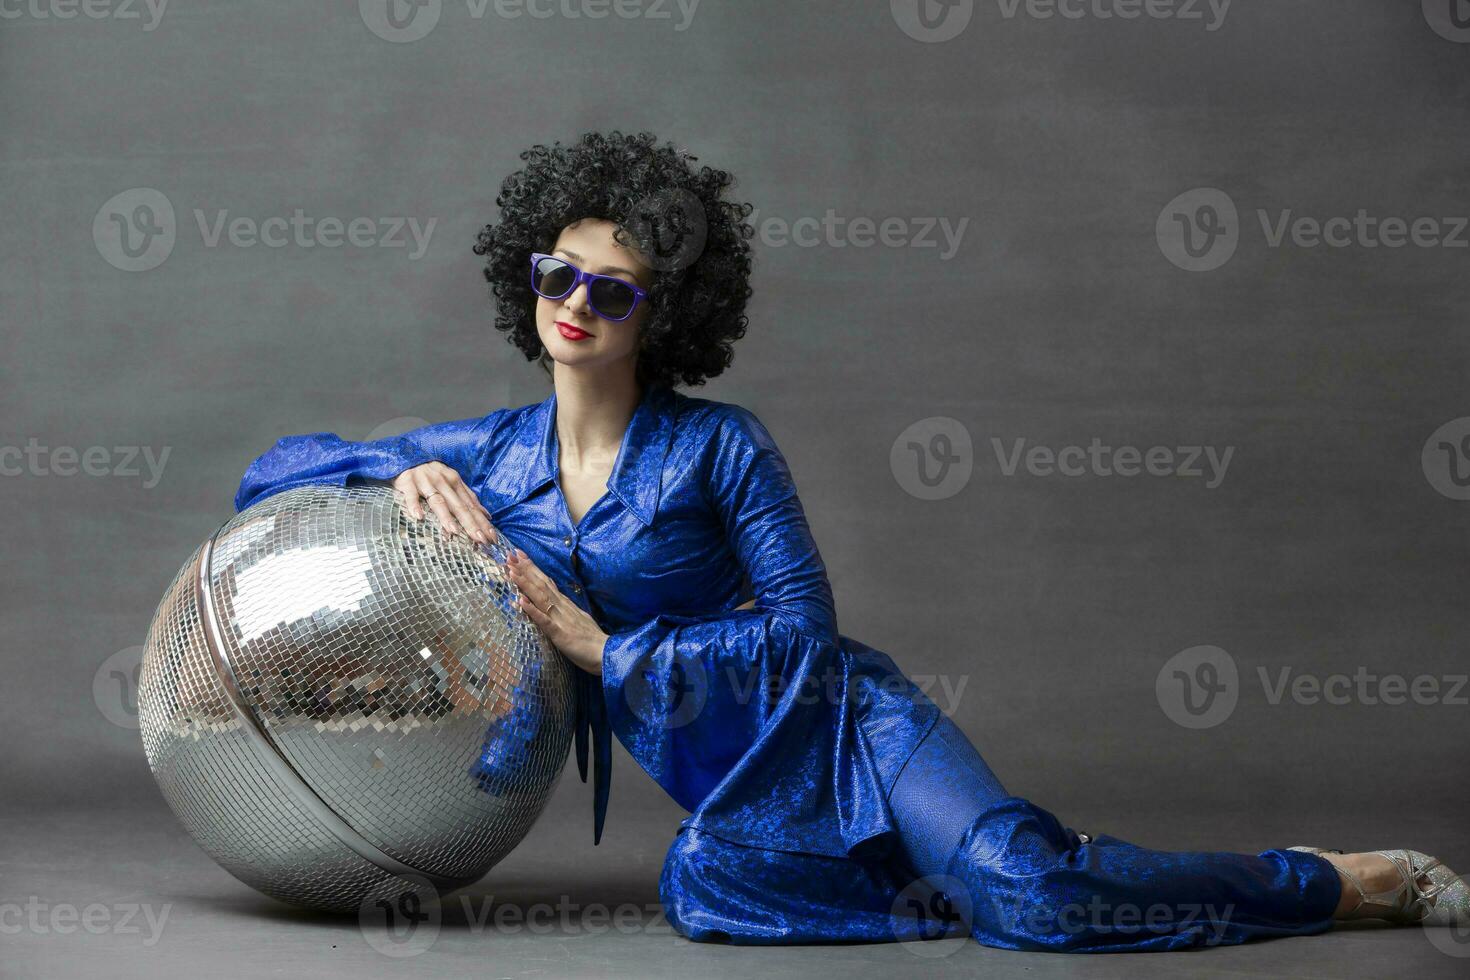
[
  {"x": 440, "y": 486},
  {"x": 565, "y": 623}
]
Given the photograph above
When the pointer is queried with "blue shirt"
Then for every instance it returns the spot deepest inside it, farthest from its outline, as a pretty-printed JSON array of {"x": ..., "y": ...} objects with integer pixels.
[{"x": 779, "y": 735}]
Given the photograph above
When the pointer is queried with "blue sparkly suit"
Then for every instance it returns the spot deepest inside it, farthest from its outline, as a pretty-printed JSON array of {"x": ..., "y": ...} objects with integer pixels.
[{"x": 829, "y": 798}]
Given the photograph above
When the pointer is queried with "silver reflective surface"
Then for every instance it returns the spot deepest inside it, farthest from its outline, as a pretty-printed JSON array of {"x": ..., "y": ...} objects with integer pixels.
[{"x": 343, "y": 704}]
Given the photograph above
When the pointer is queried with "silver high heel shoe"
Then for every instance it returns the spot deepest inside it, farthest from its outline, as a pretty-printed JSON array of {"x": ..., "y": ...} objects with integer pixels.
[{"x": 1445, "y": 901}]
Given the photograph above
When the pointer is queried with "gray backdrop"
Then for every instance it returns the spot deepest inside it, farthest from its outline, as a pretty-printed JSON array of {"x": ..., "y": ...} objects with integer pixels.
[{"x": 978, "y": 237}]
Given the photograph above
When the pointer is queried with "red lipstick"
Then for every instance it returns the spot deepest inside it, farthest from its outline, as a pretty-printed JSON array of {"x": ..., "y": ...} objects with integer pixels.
[{"x": 570, "y": 332}]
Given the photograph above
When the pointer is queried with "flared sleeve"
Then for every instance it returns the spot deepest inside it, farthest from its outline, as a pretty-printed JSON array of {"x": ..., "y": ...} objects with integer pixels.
[{"x": 743, "y": 717}]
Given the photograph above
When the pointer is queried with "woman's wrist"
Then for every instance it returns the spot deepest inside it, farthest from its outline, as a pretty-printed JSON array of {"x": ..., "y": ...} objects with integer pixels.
[{"x": 596, "y": 667}]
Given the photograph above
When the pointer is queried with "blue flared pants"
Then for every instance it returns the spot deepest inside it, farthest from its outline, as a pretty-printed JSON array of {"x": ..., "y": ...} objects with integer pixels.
[{"x": 1013, "y": 876}]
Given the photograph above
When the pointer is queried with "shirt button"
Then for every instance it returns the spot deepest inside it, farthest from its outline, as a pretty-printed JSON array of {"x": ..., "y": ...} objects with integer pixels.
[
  {"x": 577, "y": 589},
  {"x": 566, "y": 540}
]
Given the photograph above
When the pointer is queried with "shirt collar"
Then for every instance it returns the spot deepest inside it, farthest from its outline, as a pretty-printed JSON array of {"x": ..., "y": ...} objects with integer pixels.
[{"x": 637, "y": 473}]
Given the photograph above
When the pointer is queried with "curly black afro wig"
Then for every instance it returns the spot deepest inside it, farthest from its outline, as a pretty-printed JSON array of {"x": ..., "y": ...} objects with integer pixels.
[{"x": 664, "y": 206}]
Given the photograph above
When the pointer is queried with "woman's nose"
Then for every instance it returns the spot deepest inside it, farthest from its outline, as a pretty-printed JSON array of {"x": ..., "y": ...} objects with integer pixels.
[{"x": 577, "y": 301}]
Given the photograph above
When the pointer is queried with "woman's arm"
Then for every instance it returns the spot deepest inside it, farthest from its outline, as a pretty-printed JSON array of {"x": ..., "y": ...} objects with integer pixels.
[
  {"x": 687, "y": 696},
  {"x": 325, "y": 458},
  {"x": 750, "y": 487}
]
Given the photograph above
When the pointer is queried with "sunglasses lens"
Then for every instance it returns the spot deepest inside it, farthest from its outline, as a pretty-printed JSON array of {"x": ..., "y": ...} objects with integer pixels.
[
  {"x": 552, "y": 278},
  {"x": 611, "y": 299}
]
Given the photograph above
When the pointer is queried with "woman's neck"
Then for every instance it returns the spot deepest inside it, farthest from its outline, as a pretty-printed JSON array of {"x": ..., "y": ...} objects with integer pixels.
[{"x": 593, "y": 412}]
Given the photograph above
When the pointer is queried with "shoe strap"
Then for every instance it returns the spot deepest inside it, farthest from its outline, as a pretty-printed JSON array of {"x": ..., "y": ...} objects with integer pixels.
[{"x": 1417, "y": 900}]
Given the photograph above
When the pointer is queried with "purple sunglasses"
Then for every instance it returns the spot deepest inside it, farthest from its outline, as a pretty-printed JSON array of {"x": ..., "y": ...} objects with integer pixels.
[{"x": 610, "y": 298}]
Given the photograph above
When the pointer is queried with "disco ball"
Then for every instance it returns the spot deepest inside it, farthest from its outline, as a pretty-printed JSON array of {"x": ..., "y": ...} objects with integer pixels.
[{"x": 344, "y": 705}]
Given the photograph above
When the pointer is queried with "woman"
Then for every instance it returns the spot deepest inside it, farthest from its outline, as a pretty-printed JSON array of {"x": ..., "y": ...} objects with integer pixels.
[{"x": 663, "y": 549}]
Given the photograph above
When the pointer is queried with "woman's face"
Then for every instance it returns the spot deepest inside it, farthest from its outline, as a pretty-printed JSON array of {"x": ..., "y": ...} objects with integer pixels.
[{"x": 572, "y": 333}]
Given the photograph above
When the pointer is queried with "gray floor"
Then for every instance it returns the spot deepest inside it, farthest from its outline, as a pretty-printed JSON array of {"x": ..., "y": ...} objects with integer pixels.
[{"x": 205, "y": 923}]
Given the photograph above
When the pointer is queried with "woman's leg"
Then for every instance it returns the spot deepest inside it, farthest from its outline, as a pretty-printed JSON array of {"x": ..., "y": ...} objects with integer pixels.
[
  {"x": 1033, "y": 884},
  {"x": 939, "y": 792}
]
